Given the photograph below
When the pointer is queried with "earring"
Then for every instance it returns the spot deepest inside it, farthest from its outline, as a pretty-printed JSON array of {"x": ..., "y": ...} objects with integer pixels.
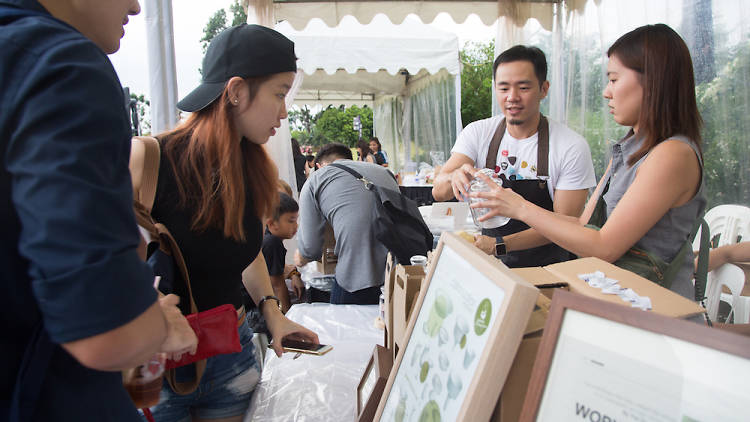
[{"x": 236, "y": 101}]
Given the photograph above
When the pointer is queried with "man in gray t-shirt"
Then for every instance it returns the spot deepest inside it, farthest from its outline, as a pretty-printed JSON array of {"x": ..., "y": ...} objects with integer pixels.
[{"x": 333, "y": 195}]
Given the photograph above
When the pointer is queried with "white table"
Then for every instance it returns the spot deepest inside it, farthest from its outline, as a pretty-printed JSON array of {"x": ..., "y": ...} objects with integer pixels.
[{"x": 319, "y": 388}]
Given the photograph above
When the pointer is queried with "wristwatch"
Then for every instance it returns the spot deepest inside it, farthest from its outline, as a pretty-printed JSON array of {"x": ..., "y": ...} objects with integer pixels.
[
  {"x": 499, "y": 246},
  {"x": 265, "y": 298}
]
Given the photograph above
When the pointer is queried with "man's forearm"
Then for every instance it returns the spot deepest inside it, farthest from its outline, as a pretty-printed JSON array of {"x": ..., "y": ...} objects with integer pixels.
[{"x": 441, "y": 187}]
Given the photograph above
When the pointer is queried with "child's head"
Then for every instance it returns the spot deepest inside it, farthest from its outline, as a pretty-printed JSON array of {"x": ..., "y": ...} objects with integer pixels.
[
  {"x": 283, "y": 187},
  {"x": 283, "y": 224}
]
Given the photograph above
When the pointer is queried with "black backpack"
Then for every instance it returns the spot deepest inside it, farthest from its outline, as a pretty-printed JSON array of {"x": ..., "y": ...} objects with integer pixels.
[{"x": 399, "y": 226}]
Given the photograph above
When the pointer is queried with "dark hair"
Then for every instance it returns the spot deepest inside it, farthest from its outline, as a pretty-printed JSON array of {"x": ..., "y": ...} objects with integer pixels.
[
  {"x": 310, "y": 158},
  {"x": 208, "y": 163},
  {"x": 296, "y": 150},
  {"x": 377, "y": 141},
  {"x": 286, "y": 204},
  {"x": 364, "y": 148},
  {"x": 331, "y": 152},
  {"x": 669, "y": 107},
  {"x": 521, "y": 53}
]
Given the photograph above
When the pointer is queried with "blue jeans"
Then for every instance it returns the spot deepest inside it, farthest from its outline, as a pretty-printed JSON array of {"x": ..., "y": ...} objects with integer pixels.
[
  {"x": 367, "y": 296},
  {"x": 225, "y": 389}
]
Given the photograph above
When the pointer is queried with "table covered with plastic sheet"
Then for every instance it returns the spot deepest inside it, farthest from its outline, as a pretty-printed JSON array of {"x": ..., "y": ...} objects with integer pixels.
[{"x": 319, "y": 388}]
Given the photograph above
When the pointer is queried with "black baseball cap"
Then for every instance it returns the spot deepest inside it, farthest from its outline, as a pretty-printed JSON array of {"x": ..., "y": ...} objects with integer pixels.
[{"x": 243, "y": 50}]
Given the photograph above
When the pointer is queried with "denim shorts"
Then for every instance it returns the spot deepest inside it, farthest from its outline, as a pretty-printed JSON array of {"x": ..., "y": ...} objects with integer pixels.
[{"x": 225, "y": 389}]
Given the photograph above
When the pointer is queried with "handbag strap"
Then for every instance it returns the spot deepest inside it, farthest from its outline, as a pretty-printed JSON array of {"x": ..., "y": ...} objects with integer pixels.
[
  {"x": 701, "y": 273},
  {"x": 144, "y": 168},
  {"x": 354, "y": 173},
  {"x": 186, "y": 387}
]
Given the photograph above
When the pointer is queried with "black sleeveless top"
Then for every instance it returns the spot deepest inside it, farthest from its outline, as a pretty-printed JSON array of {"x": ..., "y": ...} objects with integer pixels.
[{"x": 214, "y": 262}]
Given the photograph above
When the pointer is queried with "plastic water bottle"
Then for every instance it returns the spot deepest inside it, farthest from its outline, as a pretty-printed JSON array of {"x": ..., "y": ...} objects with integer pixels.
[{"x": 478, "y": 185}]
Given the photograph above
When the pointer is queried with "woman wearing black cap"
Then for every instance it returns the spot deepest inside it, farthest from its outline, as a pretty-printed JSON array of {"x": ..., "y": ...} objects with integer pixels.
[{"x": 214, "y": 190}]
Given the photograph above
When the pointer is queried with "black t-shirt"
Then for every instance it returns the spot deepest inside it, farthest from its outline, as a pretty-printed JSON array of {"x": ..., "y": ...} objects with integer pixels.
[
  {"x": 274, "y": 253},
  {"x": 214, "y": 262}
]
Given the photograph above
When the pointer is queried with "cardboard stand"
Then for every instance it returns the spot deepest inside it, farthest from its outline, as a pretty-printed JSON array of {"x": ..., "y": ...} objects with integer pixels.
[{"x": 372, "y": 383}]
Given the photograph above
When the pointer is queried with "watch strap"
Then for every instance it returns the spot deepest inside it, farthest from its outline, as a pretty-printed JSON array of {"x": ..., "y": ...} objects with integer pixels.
[{"x": 500, "y": 249}]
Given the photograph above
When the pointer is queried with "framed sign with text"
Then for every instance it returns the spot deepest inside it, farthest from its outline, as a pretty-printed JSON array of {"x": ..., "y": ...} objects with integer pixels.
[
  {"x": 601, "y": 361},
  {"x": 463, "y": 334}
]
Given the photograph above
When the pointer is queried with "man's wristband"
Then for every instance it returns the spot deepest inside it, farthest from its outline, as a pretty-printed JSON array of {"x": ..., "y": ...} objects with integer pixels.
[
  {"x": 499, "y": 246},
  {"x": 265, "y": 298}
]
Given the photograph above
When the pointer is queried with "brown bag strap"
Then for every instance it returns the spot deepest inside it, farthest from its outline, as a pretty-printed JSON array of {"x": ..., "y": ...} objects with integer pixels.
[
  {"x": 542, "y": 150},
  {"x": 144, "y": 163},
  {"x": 144, "y": 169},
  {"x": 187, "y": 387}
]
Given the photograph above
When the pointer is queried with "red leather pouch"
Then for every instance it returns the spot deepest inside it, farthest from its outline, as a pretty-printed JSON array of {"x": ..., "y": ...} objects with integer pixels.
[{"x": 216, "y": 330}]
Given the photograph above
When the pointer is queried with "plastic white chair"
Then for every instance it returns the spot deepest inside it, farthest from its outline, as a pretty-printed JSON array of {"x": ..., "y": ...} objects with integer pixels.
[
  {"x": 728, "y": 224},
  {"x": 733, "y": 277},
  {"x": 731, "y": 223}
]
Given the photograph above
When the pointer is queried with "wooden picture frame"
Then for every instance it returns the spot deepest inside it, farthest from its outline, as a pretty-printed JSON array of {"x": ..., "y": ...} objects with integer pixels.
[
  {"x": 602, "y": 361},
  {"x": 372, "y": 383},
  {"x": 465, "y": 329}
]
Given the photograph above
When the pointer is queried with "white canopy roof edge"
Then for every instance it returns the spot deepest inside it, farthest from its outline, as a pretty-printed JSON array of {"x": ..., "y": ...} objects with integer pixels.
[{"x": 299, "y": 12}]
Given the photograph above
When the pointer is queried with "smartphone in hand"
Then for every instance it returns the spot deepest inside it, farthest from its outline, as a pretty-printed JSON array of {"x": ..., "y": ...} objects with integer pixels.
[{"x": 304, "y": 347}]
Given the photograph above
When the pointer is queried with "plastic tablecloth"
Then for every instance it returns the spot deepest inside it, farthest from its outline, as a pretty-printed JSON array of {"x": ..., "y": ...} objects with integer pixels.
[{"x": 319, "y": 388}]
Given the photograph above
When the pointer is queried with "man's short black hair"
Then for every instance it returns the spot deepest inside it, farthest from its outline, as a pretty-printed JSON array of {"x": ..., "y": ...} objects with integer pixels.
[
  {"x": 519, "y": 53},
  {"x": 286, "y": 204},
  {"x": 331, "y": 152}
]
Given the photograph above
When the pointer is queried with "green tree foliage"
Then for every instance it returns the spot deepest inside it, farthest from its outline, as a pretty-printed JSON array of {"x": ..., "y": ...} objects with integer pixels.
[
  {"x": 336, "y": 124},
  {"x": 724, "y": 104},
  {"x": 476, "y": 81},
  {"x": 215, "y": 24},
  {"x": 238, "y": 13},
  {"x": 218, "y": 22},
  {"x": 143, "y": 106}
]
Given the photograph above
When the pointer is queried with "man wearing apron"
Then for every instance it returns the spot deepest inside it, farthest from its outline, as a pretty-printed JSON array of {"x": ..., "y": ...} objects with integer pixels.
[{"x": 542, "y": 160}]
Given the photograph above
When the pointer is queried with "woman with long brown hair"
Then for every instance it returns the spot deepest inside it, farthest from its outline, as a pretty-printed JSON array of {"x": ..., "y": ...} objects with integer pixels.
[
  {"x": 216, "y": 184},
  {"x": 651, "y": 194}
]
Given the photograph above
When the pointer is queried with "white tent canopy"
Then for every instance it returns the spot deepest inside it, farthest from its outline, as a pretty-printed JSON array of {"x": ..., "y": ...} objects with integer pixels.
[
  {"x": 299, "y": 12},
  {"x": 385, "y": 66}
]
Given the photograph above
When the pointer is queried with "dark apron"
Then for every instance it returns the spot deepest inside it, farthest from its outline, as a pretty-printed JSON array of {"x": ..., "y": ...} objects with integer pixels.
[{"x": 532, "y": 190}]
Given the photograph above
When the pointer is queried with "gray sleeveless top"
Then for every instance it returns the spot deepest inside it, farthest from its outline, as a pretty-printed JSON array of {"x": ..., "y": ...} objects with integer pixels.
[{"x": 668, "y": 235}]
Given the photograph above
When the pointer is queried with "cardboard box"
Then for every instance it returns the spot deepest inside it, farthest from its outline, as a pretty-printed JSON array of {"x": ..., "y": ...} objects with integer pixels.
[
  {"x": 406, "y": 286},
  {"x": 508, "y": 407},
  {"x": 663, "y": 301},
  {"x": 565, "y": 276}
]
